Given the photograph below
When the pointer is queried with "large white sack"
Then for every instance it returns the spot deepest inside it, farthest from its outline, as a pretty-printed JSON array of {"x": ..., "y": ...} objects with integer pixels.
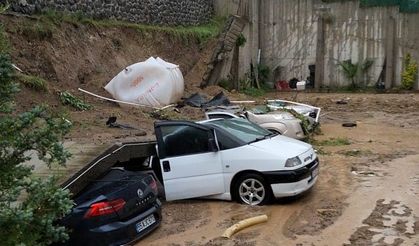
[{"x": 153, "y": 82}]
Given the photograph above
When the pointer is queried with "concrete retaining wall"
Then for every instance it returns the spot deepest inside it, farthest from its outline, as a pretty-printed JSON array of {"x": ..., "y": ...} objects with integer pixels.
[
  {"x": 288, "y": 36},
  {"x": 161, "y": 12}
]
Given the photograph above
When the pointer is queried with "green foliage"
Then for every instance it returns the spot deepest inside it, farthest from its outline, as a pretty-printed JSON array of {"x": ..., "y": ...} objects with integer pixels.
[
  {"x": 352, "y": 70},
  {"x": 7, "y": 87},
  {"x": 254, "y": 92},
  {"x": 263, "y": 72},
  {"x": 29, "y": 206},
  {"x": 67, "y": 98},
  {"x": 334, "y": 142},
  {"x": 226, "y": 84},
  {"x": 201, "y": 33},
  {"x": 38, "y": 31},
  {"x": 410, "y": 73},
  {"x": 33, "y": 82},
  {"x": 241, "y": 40},
  {"x": 4, "y": 42},
  {"x": 4, "y": 7}
]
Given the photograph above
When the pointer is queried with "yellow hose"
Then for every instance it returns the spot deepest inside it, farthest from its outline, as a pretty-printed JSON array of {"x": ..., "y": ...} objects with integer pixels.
[{"x": 244, "y": 224}]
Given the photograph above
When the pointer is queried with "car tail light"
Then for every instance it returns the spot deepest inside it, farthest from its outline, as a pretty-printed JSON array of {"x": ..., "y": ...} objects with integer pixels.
[
  {"x": 153, "y": 185},
  {"x": 104, "y": 208}
]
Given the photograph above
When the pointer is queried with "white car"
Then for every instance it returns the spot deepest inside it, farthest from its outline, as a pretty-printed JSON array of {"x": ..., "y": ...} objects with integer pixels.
[
  {"x": 231, "y": 159},
  {"x": 280, "y": 122}
]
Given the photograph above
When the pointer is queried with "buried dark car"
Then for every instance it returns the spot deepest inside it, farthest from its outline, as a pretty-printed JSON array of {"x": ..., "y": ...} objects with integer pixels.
[{"x": 118, "y": 208}]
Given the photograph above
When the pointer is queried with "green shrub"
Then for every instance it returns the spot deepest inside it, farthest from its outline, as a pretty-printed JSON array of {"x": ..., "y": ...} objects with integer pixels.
[
  {"x": 29, "y": 206},
  {"x": 67, "y": 98},
  {"x": 410, "y": 73},
  {"x": 254, "y": 92},
  {"x": 33, "y": 82},
  {"x": 334, "y": 142},
  {"x": 4, "y": 42}
]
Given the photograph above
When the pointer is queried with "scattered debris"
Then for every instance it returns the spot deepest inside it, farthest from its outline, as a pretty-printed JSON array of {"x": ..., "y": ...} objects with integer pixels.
[
  {"x": 199, "y": 101},
  {"x": 310, "y": 112},
  {"x": 112, "y": 123},
  {"x": 17, "y": 68},
  {"x": 244, "y": 224},
  {"x": 349, "y": 124}
]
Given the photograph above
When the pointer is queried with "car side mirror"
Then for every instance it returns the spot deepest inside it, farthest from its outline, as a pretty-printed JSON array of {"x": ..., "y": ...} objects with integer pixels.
[{"x": 212, "y": 145}]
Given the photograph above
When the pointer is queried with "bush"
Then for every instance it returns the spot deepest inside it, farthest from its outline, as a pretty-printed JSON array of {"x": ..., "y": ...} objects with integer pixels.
[
  {"x": 33, "y": 82},
  {"x": 29, "y": 206},
  {"x": 410, "y": 73}
]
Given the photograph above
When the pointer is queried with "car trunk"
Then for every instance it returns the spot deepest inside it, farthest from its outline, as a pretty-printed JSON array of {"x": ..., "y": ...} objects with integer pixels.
[
  {"x": 132, "y": 187},
  {"x": 114, "y": 156}
]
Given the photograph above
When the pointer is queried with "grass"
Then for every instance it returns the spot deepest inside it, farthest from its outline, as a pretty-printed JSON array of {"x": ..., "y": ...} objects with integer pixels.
[
  {"x": 356, "y": 153},
  {"x": 254, "y": 92},
  {"x": 33, "y": 82},
  {"x": 38, "y": 31},
  {"x": 201, "y": 33},
  {"x": 333, "y": 142},
  {"x": 4, "y": 42}
]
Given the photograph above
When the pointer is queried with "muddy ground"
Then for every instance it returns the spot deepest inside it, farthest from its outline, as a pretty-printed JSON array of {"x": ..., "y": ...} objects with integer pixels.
[{"x": 367, "y": 193}]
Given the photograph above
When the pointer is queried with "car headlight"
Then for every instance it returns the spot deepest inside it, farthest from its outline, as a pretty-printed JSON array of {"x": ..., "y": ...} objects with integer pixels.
[{"x": 292, "y": 162}]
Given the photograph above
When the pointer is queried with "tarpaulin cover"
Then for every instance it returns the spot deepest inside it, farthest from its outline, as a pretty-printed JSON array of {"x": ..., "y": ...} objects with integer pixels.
[
  {"x": 199, "y": 101},
  {"x": 153, "y": 82}
]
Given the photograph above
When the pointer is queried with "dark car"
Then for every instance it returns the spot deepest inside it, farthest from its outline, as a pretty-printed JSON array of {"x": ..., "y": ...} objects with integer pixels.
[{"x": 118, "y": 208}]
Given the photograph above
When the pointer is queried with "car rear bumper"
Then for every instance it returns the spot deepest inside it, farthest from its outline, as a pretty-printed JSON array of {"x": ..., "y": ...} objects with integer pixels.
[
  {"x": 121, "y": 232},
  {"x": 293, "y": 182}
]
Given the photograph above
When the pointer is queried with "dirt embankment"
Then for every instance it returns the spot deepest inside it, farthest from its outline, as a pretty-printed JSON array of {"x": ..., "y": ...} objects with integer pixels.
[{"x": 74, "y": 55}]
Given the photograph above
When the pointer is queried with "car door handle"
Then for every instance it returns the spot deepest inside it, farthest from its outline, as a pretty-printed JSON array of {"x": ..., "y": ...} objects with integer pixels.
[{"x": 166, "y": 166}]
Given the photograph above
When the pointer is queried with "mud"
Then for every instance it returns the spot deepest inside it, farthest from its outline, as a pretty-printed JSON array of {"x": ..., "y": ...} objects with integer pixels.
[{"x": 366, "y": 194}]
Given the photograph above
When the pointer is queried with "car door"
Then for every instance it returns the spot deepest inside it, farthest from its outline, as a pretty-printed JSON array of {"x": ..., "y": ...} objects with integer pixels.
[{"x": 190, "y": 160}]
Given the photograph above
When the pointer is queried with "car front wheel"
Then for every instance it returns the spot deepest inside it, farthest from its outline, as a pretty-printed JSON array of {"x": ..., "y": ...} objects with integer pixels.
[{"x": 252, "y": 189}]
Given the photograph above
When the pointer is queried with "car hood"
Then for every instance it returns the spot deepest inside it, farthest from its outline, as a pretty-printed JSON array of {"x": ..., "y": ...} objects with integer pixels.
[{"x": 283, "y": 146}]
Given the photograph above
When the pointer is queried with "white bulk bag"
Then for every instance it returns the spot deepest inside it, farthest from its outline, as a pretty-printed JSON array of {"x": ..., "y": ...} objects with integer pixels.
[{"x": 153, "y": 82}]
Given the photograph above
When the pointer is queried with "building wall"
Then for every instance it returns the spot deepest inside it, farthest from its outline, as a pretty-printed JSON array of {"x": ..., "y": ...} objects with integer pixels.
[
  {"x": 289, "y": 32},
  {"x": 162, "y": 12}
]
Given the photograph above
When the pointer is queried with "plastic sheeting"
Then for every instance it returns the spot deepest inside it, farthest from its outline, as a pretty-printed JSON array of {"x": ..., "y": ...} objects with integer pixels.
[
  {"x": 154, "y": 83},
  {"x": 199, "y": 101}
]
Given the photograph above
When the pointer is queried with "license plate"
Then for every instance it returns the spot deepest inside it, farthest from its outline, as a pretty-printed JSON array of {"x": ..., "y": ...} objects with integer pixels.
[
  {"x": 142, "y": 225},
  {"x": 315, "y": 172}
]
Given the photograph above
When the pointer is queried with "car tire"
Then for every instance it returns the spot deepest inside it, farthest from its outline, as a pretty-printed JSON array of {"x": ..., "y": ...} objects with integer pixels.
[{"x": 252, "y": 189}]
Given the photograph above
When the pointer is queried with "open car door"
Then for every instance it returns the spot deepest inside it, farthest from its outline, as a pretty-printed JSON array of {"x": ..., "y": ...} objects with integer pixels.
[{"x": 189, "y": 158}]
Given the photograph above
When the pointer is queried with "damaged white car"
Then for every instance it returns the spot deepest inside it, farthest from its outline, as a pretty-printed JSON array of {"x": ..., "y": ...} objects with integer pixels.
[
  {"x": 231, "y": 159},
  {"x": 283, "y": 123}
]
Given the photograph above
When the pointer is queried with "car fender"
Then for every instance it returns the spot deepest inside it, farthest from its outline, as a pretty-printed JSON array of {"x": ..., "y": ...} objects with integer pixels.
[{"x": 275, "y": 126}]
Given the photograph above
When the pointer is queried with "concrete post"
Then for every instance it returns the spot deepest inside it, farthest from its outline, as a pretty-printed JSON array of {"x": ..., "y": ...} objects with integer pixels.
[
  {"x": 320, "y": 52},
  {"x": 390, "y": 53}
]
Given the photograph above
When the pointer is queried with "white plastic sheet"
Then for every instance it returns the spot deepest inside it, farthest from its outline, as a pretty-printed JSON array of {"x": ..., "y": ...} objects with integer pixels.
[{"x": 154, "y": 83}]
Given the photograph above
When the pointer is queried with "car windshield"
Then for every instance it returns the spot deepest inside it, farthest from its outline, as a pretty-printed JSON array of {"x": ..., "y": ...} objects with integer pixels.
[{"x": 242, "y": 129}]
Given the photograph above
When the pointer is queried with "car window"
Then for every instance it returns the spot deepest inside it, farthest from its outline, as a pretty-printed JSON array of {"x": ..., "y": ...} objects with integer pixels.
[
  {"x": 219, "y": 116},
  {"x": 225, "y": 141},
  {"x": 184, "y": 140},
  {"x": 241, "y": 129}
]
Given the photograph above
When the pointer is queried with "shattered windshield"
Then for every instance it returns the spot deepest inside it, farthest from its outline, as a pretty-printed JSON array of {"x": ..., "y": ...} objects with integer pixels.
[{"x": 243, "y": 129}]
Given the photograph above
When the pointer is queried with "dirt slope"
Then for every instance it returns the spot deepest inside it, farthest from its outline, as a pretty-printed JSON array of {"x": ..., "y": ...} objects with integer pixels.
[{"x": 71, "y": 55}]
